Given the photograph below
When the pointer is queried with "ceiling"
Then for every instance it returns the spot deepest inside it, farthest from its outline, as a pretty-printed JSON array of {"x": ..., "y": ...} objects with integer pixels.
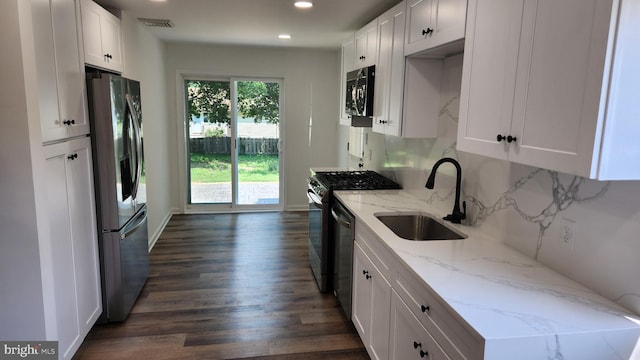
[{"x": 255, "y": 22}]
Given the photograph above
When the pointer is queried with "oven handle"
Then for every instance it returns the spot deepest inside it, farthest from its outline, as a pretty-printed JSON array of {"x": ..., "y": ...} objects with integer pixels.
[
  {"x": 314, "y": 199},
  {"x": 340, "y": 220}
]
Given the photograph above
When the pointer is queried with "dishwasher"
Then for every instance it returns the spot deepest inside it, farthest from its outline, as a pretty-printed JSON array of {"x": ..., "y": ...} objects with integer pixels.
[{"x": 344, "y": 236}]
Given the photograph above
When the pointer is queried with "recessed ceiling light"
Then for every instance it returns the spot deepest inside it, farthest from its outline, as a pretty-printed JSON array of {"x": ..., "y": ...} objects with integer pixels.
[
  {"x": 284, "y": 36},
  {"x": 303, "y": 4}
]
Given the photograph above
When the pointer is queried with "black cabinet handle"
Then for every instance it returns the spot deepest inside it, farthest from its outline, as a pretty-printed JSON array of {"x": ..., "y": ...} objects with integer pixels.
[
  {"x": 366, "y": 274},
  {"x": 416, "y": 345},
  {"x": 72, "y": 156},
  {"x": 429, "y": 31},
  {"x": 108, "y": 56},
  {"x": 424, "y": 309},
  {"x": 382, "y": 121},
  {"x": 69, "y": 122},
  {"x": 424, "y": 353},
  {"x": 508, "y": 138}
]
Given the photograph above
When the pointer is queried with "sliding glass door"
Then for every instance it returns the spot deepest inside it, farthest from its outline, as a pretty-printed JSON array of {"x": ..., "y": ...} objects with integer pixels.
[{"x": 233, "y": 142}]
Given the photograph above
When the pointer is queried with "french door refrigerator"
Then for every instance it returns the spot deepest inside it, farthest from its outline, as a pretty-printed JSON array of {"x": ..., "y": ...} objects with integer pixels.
[{"x": 116, "y": 130}]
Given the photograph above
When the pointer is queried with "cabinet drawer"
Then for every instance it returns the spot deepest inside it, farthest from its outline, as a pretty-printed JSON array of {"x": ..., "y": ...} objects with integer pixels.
[
  {"x": 454, "y": 335},
  {"x": 377, "y": 252}
]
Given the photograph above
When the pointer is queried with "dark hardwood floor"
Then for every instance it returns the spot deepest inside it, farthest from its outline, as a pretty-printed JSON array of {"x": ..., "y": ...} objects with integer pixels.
[{"x": 230, "y": 286}]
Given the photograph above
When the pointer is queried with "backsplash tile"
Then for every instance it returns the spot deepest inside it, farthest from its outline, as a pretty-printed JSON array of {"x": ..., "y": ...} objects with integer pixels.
[{"x": 525, "y": 206}]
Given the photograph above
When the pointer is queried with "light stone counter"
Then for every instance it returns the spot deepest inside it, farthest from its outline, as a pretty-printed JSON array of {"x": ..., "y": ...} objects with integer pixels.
[{"x": 520, "y": 308}]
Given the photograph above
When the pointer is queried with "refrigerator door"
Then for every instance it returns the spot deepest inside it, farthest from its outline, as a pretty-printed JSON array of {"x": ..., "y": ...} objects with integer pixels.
[
  {"x": 125, "y": 267},
  {"x": 116, "y": 130}
]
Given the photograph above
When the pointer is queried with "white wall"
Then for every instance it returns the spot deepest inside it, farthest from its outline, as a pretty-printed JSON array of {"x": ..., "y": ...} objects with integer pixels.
[
  {"x": 144, "y": 61},
  {"x": 311, "y": 80},
  {"x": 21, "y": 302},
  {"x": 524, "y": 206}
]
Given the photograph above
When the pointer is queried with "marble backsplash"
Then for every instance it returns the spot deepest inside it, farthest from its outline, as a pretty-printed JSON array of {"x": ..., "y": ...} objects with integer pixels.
[{"x": 524, "y": 207}]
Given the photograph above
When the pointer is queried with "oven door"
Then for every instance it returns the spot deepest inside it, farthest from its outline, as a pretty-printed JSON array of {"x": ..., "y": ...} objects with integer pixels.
[{"x": 318, "y": 239}]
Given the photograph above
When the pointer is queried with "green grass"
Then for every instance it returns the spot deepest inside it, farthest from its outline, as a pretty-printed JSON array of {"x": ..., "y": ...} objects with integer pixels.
[{"x": 215, "y": 168}]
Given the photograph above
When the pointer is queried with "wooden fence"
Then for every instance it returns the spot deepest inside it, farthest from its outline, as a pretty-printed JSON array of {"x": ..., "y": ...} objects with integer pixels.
[{"x": 222, "y": 145}]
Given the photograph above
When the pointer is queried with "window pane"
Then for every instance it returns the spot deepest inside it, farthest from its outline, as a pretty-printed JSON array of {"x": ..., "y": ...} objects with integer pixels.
[{"x": 209, "y": 143}]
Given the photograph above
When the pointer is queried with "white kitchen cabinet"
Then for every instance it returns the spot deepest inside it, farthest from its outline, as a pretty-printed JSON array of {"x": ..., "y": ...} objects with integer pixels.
[
  {"x": 74, "y": 243},
  {"x": 390, "y": 72},
  {"x": 553, "y": 85},
  {"x": 407, "y": 97},
  {"x": 102, "y": 37},
  {"x": 61, "y": 83},
  {"x": 409, "y": 340},
  {"x": 366, "y": 45},
  {"x": 371, "y": 303},
  {"x": 434, "y": 23},
  {"x": 346, "y": 65}
]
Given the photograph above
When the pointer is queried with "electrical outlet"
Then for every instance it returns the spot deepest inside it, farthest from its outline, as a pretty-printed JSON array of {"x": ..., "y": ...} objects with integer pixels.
[{"x": 567, "y": 233}]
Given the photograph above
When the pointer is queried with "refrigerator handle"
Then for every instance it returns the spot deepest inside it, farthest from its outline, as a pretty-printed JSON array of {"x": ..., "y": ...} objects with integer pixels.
[
  {"x": 140, "y": 219},
  {"x": 138, "y": 161}
]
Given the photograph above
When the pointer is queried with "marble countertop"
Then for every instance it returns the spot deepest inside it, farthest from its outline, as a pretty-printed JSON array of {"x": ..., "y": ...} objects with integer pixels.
[{"x": 499, "y": 292}]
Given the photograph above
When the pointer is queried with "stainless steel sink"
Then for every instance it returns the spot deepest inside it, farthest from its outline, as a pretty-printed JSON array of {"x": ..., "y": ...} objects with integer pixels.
[{"x": 419, "y": 227}]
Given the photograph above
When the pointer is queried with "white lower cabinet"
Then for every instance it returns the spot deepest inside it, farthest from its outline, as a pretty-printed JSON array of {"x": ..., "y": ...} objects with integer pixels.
[
  {"x": 371, "y": 302},
  {"x": 397, "y": 315},
  {"x": 409, "y": 339},
  {"x": 74, "y": 244}
]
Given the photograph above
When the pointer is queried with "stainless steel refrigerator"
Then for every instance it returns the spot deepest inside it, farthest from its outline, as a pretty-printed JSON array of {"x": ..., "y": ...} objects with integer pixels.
[{"x": 116, "y": 130}]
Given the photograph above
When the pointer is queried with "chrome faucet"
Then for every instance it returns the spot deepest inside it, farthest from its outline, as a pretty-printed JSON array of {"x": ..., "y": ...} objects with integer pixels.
[{"x": 456, "y": 215}]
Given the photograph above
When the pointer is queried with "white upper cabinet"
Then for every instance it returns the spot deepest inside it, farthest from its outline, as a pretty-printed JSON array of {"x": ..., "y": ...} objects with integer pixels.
[
  {"x": 434, "y": 23},
  {"x": 102, "y": 37},
  {"x": 407, "y": 96},
  {"x": 390, "y": 72},
  {"x": 346, "y": 65},
  {"x": 60, "y": 70},
  {"x": 553, "y": 85},
  {"x": 366, "y": 45}
]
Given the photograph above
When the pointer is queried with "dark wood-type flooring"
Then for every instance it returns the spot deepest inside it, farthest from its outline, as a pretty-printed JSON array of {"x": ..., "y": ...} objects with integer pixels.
[{"x": 230, "y": 286}]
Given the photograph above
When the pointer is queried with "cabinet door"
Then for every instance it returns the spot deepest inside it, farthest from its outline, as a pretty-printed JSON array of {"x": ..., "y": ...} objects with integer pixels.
[
  {"x": 409, "y": 340},
  {"x": 390, "y": 72},
  {"x": 74, "y": 243},
  {"x": 419, "y": 24},
  {"x": 371, "y": 304},
  {"x": 433, "y": 23},
  {"x": 366, "y": 45},
  {"x": 450, "y": 20},
  {"x": 111, "y": 41},
  {"x": 62, "y": 96},
  {"x": 92, "y": 35},
  {"x": 361, "y": 312},
  {"x": 559, "y": 82},
  {"x": 347, "y": 64},
  {"x": 101, "y": 33},
  {"x": 62, "y": 256},
  {"x": 380, "y": 311},
  {"x": 84, "y": 236},
  {"x": 489, "y": 75}
]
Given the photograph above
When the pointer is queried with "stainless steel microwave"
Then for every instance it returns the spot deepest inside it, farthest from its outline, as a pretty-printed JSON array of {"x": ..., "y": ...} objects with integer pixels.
[{"x": 359, "y": 94}]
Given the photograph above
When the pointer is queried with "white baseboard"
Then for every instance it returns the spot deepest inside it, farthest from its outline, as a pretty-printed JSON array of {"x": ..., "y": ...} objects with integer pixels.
[
  {"x": 298, "y": 208},
  {"x": 156, "y": 235}
]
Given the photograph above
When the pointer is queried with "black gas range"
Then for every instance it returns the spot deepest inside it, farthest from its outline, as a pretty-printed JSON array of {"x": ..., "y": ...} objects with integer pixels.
[
  {"x": 321, "y": 224},
  {"x": 323, "y": 182}
]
